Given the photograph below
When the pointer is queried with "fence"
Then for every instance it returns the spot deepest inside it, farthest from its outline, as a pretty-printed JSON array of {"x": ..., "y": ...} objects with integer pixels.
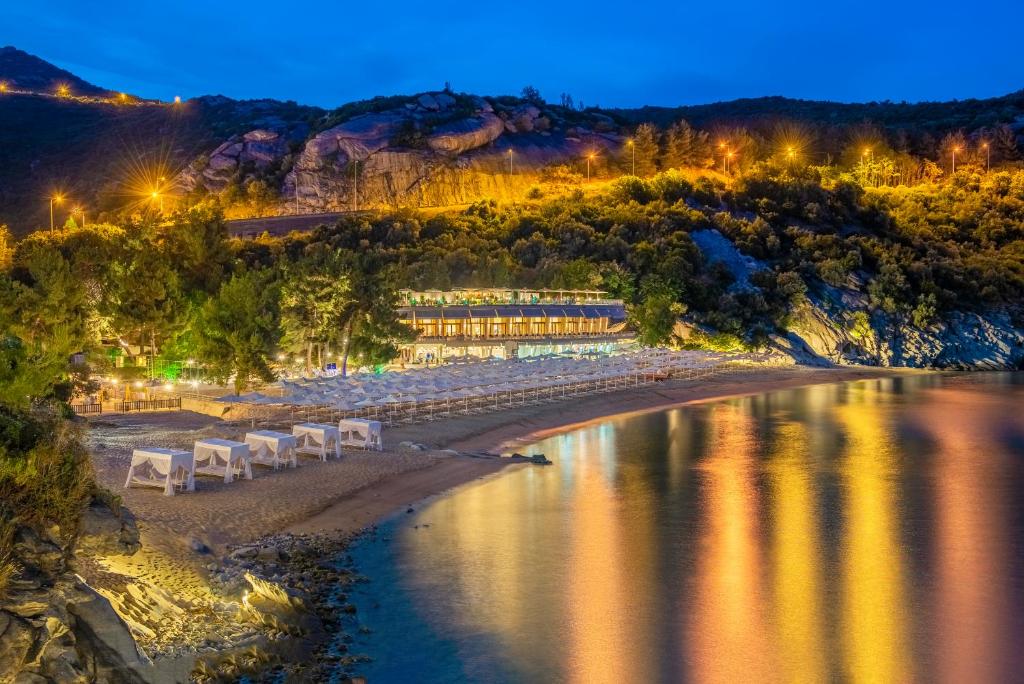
[
  {"x": 86, "y": 409},
  {"x": 149, "y": 405}
]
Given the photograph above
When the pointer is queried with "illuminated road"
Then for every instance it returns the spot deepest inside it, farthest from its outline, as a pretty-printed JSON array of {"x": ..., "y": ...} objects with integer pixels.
[{"x": 282, "y": 225}]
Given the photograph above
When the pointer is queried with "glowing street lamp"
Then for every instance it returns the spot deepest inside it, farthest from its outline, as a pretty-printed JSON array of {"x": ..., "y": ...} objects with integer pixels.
[
  {"x": 789, "y": 154},
  {"x": 157, "y": 197},
  {"x": 63, "y": 90},
  {"x": 3, "y": 87},
  {"x": 58, "y": 198},
  {"x": 728, "y": 158},
  {"x": 590, "y": 158},
  {"x": 988, "y": 156},
  {"x": 953, "y": 152},
  {"x": 632, "y": 147},
  {"x": 510, "y": 161}
]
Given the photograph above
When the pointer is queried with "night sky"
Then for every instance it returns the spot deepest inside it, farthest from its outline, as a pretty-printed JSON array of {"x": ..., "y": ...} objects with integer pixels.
[{"x": 621, "y": 54}]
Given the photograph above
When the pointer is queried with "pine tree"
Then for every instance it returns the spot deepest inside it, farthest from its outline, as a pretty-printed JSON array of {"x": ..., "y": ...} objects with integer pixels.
[
  {"x": 1004, "y": 144},
  {"x": 645, "y": 146},
  {"x": 686, "y": 147}
]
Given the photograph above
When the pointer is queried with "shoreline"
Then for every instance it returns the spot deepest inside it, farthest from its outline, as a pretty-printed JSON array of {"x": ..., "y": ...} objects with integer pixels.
[
  {"x": 366, "y": 508},
  {"x": 198, "y": 549}
]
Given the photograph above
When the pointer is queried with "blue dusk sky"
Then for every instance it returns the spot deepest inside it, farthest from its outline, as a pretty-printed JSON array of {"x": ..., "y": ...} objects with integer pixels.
[{"x": 608, "y": 54}]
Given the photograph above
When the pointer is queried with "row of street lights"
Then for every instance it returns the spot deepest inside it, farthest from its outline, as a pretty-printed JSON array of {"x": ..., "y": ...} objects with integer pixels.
[{"x": 58, "y": 199}]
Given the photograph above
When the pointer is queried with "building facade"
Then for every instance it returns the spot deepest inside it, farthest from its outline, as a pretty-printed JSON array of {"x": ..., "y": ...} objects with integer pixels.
[{"x": 509, "y": 323}]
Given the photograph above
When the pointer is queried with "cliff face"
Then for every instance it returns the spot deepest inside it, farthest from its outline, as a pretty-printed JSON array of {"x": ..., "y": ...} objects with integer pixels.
[
  {"x": 435, "y": 150},
  {"x": 835, "y": 327}
]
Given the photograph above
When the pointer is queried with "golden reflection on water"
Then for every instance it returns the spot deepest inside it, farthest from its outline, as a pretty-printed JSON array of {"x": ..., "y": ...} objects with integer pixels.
[
  {"x": 971, "y": 620},
  {"x": 874, "y": 629},
  {"x": 728, "y": 636},
  {"x": 596, "y": 589},
  {"x": 796, "y": 557},
  {"x": 756, "y": 540}
]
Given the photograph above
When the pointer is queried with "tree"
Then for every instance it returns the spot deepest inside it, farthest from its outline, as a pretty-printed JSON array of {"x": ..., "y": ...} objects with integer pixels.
[
  {"x": 371, "y": 328},
  {"x": 566, "y": 100},
  {"x": 238, "y": 329},
  {"x": 197, "y": 245},
  {"x": 1004, "y": 143},
  {"x": 686, "y": 147},
  {"x": 146, "y": 298},
  {"x": 645, "y": 146},
  {"x": 260, "y": 196},
  {"x": 313, "y": 296},
  {"x": 654, "y": 317},
  {"x": 532, "y": 95},
  {"x": 6, "y": 248}
]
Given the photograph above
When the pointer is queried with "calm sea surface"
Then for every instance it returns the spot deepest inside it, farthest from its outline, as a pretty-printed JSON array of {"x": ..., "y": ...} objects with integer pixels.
[{"x": 869, "y": 532}]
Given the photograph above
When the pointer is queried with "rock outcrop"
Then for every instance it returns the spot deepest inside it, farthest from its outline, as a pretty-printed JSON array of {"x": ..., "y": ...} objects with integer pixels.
[
  {"x": 435, "y": 149},
  {"x": 837, "y": 326},
  {"x": 53, "y": 627},
  {"x": 466, "y": 134}
]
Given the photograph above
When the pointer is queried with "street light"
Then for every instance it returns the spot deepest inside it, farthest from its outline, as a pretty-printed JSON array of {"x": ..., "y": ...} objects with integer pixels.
[
  {"x": 157, "y": 197},
  {"x": 789, "y": 154},
  {"x": 3, "y": 87},
  {"x": 510, "y": 161},
  {"x": 632, "y": 147},
  {"x": 954, "y": 151},
  {"x": 63, "y": 90},
  {"x": 590, "y": 157},
  {"x": 355, "y": 185},
  {"x": 728, "y": 158},
  {"x": 988, "y": 156},
  {"x": 58, "y": 198}
]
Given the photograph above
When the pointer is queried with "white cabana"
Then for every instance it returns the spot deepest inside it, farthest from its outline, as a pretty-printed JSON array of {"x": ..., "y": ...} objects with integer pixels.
[
  {"x": 221, "y": 458},
  {"x": 274, "y": 449},
  {"x": 317, "y": 438},
  {"x": 166, "y": 468},
  {"x": 361, "y": 433}
]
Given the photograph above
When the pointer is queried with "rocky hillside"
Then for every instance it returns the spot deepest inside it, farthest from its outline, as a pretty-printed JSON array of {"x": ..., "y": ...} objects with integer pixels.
[
  {"x": 21, "y": 71},
  {"x": 434, "y": 149}
]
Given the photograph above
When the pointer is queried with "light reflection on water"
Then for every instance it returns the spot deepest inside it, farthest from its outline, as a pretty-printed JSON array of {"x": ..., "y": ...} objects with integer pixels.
[{"x": 870, "y": 531}]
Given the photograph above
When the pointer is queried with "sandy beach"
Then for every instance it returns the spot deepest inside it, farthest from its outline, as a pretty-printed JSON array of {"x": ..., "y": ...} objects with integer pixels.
[{"x": 159, "y": 588}]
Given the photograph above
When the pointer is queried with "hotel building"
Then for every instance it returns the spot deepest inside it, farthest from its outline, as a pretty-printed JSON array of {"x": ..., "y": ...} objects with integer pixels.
[{"x": 510, "y": 323}]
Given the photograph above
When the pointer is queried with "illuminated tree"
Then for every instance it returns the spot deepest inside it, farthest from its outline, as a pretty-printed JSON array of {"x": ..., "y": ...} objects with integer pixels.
[
  {"x": 645, "y": 144},
  {"x": 238, "y": 329},
  {"x": 655, "y": 316},
  {"x": 197, "y": 245},
  {"x": 313, "y": 295},
  {"x": 6, "y": 248},
  {"x": 686, "y": 147},
  {"x": 371, "y": 328}
]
